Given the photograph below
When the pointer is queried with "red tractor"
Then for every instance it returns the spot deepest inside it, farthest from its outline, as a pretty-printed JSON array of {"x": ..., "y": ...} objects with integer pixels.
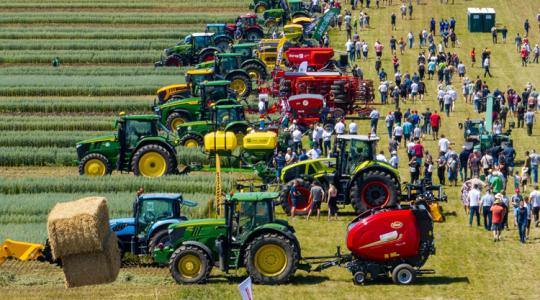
[{"x": 251, "y": 30}]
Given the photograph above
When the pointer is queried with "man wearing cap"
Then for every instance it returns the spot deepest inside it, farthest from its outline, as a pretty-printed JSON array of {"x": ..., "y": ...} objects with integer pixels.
[
  {"x": 290, "y": 156},
  {"x": 497, "y": 212},
  {"x": 487, "y": 201},
  {"x": 474, "y": 203}
]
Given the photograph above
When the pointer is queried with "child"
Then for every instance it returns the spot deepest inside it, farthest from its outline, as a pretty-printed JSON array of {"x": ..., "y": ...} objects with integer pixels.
[{"x": 524, "y": 171}]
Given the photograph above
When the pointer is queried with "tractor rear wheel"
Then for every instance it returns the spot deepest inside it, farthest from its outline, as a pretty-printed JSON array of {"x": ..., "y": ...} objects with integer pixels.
[
  {"x": 260, "y": 8},
  {"x": 253, "y": 35},
  {"x": 255, "y": 71},
  {"x": 174, "y": 61},
  {"x": 191, "y": 140},
  {"x": 189, "y": 265},
  {"x": 303, "y": 201},
  {"x": 271, "y": 258},
  {"x": 241, "y": 83},
  {"x": 373, "y": 189},
  {"x": 175, "y": 119},
  {"x": 152, "y": 161},
  {"x": 95, "y": 164},
  {"x": 403, "y": 274},
  {"x": 207, "y": 56}
]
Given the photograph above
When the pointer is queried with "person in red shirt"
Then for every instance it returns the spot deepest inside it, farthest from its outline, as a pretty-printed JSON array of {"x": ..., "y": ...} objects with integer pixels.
[
  {"x": 435, "y": 122},
  {"x": 419, "y": 154},
  {"x": 524, "y": 56},
  {"x": 497, "y": 216},
  {"x": 473, "y": 57}
]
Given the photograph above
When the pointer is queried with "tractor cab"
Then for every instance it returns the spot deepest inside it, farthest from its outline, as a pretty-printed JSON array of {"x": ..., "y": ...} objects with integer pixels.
[
  {"x": 246, "y": 49},
  {"x": 216, "y": 29},
  {"x": 246, "y": 211},
  {"x": 200, "y": 41},
  {"x": 473, "y": 129},
  {"x": 152, "y": 214},
  {"x": 353, "y": 150},
  {"x": 225, "y": 62},
  {"x": 185, "y": 90},
  {"x": 226, "y": 114}
]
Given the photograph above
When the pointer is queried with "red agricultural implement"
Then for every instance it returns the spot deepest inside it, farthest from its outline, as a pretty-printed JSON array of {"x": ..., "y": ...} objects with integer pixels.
[
  {"x": 316, "y": 58},
  {"x": 307, "y": 109}
]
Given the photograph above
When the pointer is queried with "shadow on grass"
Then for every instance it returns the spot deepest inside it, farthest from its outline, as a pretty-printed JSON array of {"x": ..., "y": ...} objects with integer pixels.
[
  {"x": 427, "y": 280},
  {"x": 296, "y": 280}
]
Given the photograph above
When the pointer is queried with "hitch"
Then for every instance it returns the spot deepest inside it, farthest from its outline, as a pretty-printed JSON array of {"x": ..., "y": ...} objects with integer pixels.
[{"x": 324, "y": 262}]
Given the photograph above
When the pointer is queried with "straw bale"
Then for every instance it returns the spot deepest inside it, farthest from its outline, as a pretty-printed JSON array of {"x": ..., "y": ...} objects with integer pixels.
[{"x": 80, "y": 226}]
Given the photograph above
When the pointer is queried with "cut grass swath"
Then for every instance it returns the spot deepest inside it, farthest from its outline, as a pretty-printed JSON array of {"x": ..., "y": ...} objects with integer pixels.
[
  {"x": 76, "y": 70},
  {"x": 88, "y": 44},
  {"x": 112, "y": 105},
  {"x": 56, "y": 123}
]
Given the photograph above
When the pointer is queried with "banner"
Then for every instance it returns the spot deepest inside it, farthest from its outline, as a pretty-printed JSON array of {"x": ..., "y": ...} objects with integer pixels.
[
  {"x": 245, "y": 289},
  {"x": 324, "y": 22}
]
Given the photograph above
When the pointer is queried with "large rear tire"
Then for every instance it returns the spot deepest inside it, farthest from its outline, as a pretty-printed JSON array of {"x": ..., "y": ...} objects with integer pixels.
[
  {"x": 174, "y": 61},
  {"x": 255, "y": 71},
  {"x": 373, "y": 189},
  {"x": 175, "y": 119},
  {"x": 95, "y": 164},
  {"x": 304, "y": 202},
  {"x": 253, "y": 35},
  {"x": 152, "y": 161},
  {"x": 271, "y": 259},
  {"x": 190, "y": 265},
  {"x": 241, "y": 83},
  {"x": 191, "y": 140}
]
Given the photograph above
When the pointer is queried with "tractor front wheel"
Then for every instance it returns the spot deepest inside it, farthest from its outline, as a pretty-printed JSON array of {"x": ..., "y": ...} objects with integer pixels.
[
  {"x": 271, "y": 259},
  {"x": 95, "y": 164},
  {"x": 189, "y": 265},
  {"x": 152, "y": 161},
  {"x": 191, "y": 141},
  {"x": 241, "y": 83},
  {"x": 373, "y": 189},
  {"x": 175, "y": 119}
]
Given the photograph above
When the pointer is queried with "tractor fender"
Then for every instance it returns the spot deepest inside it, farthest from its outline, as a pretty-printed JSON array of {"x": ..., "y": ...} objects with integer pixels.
[
  {"x": 223, "y": 37},
  {"x": 182, "y": 112},
  {"x": 237, "y": 71},
  {"x": 258, "y": 29},
  {"x": 378, "y": 166},
  {"x": 203, "y": 247},
  {"x": 157, "y": 141},
  {"x": 276, "y": 228},
  {"x": 159, "y": 225},
  {"x": 243, "y": 125},
  {"x": 209, "y": 49},
  {"x": 253, "y": 61}
]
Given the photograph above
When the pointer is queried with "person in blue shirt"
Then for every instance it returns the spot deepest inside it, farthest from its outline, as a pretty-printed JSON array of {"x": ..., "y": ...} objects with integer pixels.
[
  {"x": 279, "y": 164},
  {"x": 526, "y": 26},
  {"x": 303, "y": 156},
  {"x": 432, "y": 24},
  {"x": 382, "y": 75},
  {"x": 295, "y": 195},
  {"x": 521, "y": 219},
  {"x": 453, "y": 24},
  {"x": 407, "y": 130}
]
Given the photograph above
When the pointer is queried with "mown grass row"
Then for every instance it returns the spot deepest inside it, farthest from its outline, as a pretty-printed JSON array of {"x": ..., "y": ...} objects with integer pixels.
[
  {"x": 191, "y": 184},
  {"x": 93, "y": 71},
  {"x": 80, "y": 57},
  {"x": 76, "y": 105},
  {"x": 123, "y": 4},
  {"x": 58, "y": 139},
  {"x": 115, "y": 18},
  {"x": 56, "y": 123},
  {"x": 34, "y": 208},
  {"x": 60, "y": 32},
  {"x": 88, "y": 44},
  {"x": 65, "y": 85},
  {"x": 48, "y": 154}
]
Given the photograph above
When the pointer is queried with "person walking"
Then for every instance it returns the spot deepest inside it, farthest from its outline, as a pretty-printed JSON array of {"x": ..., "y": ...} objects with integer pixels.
[
  {"x": 536, "y": 52},
  {"x": 332, "y": 202},
  {"x": 486, "y": 64},
  {"x": 529, "y": 121},
  {"x": 526, "y": 26},
  {"x": 474, "y": 203},
  {"x": 486, "y": 203},
  {"x": 279, "y": 164},
  {"x": 374, "y": 119},
  {"x": 521, "y": 215},
  {"x": 295, "y": 195},
  {"x": 534, "y": 197},
  {"x": 497, "y": 216},
  {"x": 327, "y": 135},
  {"x": 435, "y": 122},
  {"x": 393, "y": 21},
  {"x": 316, "y": 194}
]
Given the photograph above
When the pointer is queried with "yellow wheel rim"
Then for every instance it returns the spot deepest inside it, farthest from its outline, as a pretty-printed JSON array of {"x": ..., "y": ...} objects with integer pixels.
[
  {"x": 254, "y": 74},
  {"x": 176, "y": 122},
  {"x": 152, "y": 164},
  {"x": 95, "y": 167},
  {"x": 239, "y": 86},
  {"x": 270, "y": 260},
  {"x": 260, "y": 9},
  {"x": 190, "y": 266},
  {"x": 191, "y": 143}
]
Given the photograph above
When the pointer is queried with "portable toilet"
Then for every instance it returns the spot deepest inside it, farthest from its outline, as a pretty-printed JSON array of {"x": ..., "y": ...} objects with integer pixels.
[
  {"x": 488, "y": 21},
  {"x": 474, "y": 19}
]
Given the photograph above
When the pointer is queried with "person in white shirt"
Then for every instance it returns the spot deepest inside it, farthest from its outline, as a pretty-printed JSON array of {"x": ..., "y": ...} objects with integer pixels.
[
  {"x": 381, "y": 157},
  {"x": 398, "y": 133},
  {"x": 374, "y": 116},
  {"x": 263, "y": 99},
  {"x": 417, "y": 132},
  {"x": 293, "y": 127},
  {"x": 313, "y": 153},
  {"x": 394, "y": 160},
  {"x": 317, "y": 135},
  {"x": 339, "y": 128},
  {"x": 353, "y": 128},
  {"x": 474, "y": 204},
  {"x": 534, "y": 197},
  {"x": 327, "y": 135},
  {"x": 290, "y": 156},
  {"x": 414, "y": 91},
  {"x": 497, "y": 128},
  {"x": 444, "y": 144},
  {"x": 297, "y": 140}
]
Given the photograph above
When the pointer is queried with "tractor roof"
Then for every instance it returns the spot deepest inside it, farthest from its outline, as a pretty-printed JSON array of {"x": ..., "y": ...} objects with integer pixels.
[
  {"x": 246, "y": 45},
  {"x": 141, "y": 117},
  {"x": 294, "y": 1},
  {"x": 215, "y": 83},
  {"x": 202, "y": 34},
  {"x": 168, "y": 196},
  {"x": 358, "y": 137},
  {"x": 253, "y": 196},
  {"x": 200, "y": 72},
  {"x": 228, "y": 106},
  {"x": 215, "y": 25}
]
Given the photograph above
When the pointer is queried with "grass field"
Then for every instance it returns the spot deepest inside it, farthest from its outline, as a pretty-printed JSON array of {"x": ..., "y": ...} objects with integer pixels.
[{"x": 107, "y": 50}]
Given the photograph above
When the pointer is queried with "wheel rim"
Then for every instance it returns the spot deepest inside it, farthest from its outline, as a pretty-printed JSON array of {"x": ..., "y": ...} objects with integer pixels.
[
  {"x": 254, "y": 74},
  {"x": 303, "y": 204},
  {"x": 208, "y": 58},
  {"x": 95, "y": 167},
  {"x": 270, "y": 260},
  {"x": 359, "y": 277},
  {"x": 404, "y": 276},
  {"x": 152, "y": 164},
  {"x": 176, "y": 122},
  {"x": 239, "y": 86},
  {"x": 375, "y": 194},
  {"x": 190, "y": 266},
  {"x": 191, "y": 143},
  {"x": 253, "y": 36},
  {"x": 260, "y": 9}
]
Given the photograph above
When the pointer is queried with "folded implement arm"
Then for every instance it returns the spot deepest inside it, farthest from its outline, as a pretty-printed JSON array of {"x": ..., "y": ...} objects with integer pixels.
[{"x": 20, "y": 250}]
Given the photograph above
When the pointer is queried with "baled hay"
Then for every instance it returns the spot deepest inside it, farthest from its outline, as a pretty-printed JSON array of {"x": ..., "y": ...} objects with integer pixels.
[
  {"x": 78, "y": 226},
  {"x": 93, "y": 268}
]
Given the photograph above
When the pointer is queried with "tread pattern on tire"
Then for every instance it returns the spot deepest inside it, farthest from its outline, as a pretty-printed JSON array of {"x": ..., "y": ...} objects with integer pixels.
[
  {"x": 101, "y": 157},
  {"x": 188, "y": 136},
  {"x": 169, "y": 158},
  {"x": 355, "y": 197},
  {"x": 198, "y": 251}
]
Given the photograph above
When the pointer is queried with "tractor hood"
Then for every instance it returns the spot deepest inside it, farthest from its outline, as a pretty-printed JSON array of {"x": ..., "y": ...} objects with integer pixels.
[
  {"x": 180, "y": 49},
  {"x": 198, "y": 222},
  {"x": 106, "y": 138},
  {"x": 123, "y": 226},
  {"x": 179, "y": 103}
]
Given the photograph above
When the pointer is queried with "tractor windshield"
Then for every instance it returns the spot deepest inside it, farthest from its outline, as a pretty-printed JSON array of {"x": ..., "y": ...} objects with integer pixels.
[
  {"x": 200, "y": 42},
  {"x": 214, "y": 29},
  {"x": 359, "y": 151},
  {"x": 214, "y": 93},
  {"x": 228, "y": 63},
  {"x": 151, "y": 211},
  {"x": 137, "y": 129},
  {"x": 474, "y": 128},
  {"x": 249, "y": 22},
  {"x": 225, "y": 116},
  {"x": 253, "y": 214}
]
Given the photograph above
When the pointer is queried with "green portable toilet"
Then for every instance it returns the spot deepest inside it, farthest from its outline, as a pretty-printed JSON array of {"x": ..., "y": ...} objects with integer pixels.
[
  {"x": 488, "y": 21},
  {"x": 475, "y": 20}
]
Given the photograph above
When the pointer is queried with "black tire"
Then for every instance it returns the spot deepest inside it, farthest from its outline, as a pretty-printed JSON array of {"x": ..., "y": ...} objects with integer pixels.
[
  {"x": 286, "y": 204},
  {"x": 359, "y": 278},
  {"x": 373, "y": 189},
  {"x": 160, "y": 237},
  {"x": 222, "y": 44},
  {"x": 253, "y": 35},
  {"x": 176, "y": 117},
  {"x": 169, "y": 159},
  {"x": 174, "y": 61},
  {"x": 96, "y": 156},
  {"x": 247, "y": 81},
  {"x": 338, "y": 113},
  {"x": 289, "y": 250},
  {"x": 204, "y": 270},
  {"x": 207, "y": 55},
  {"x": 260, "y": 8},
  {"x": 403, "y": 274},
  {"x": 253, "y": 68},
  {"x": 190, "y": 137}
]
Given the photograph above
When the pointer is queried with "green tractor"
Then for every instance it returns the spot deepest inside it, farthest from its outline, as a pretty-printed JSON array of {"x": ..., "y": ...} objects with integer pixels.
[
  {"x": 174, "y": 113},
  {"x": 241, "y": 58},
  {"x": 227, "y": 117},
  {"x": 294, "y": 9},
  {"x": 185, "y": 90},
  {"x": 142, "y": 146},
  {"x": 232, "y": 68},
  {"x": 360, "y": 179},
  {"x": 248, "y": 236},
  {"x": 196, "y": 48},
  {"x": 259, "y": 6}
]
